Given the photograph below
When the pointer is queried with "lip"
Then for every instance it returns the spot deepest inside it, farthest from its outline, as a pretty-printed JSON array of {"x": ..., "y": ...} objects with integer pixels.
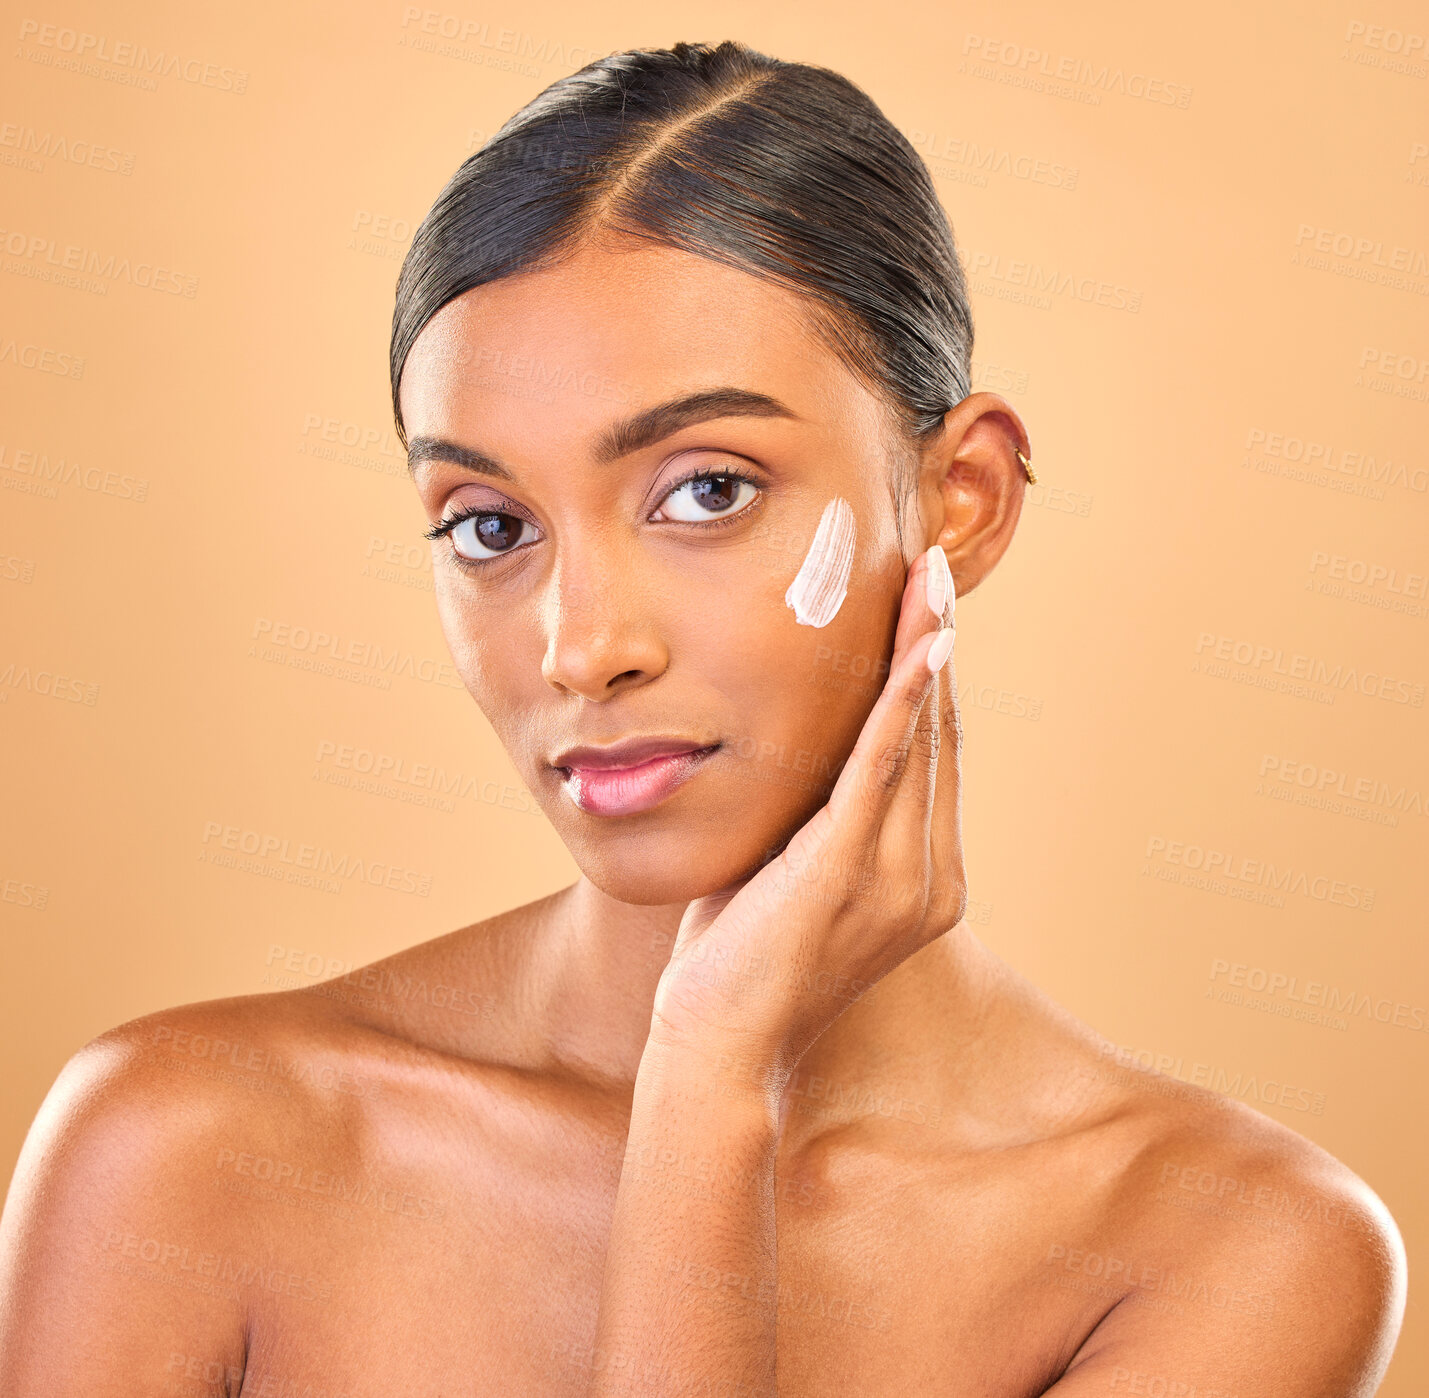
[
  {"x": 630, "y": 776},
  {"x": 629, "y": 752}
]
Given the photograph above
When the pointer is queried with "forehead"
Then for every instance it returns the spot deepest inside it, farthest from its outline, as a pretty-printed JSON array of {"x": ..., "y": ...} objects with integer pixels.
[{"x": 611, "y": 329}]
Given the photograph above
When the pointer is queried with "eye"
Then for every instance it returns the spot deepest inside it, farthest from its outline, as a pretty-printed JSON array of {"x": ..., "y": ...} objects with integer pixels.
[
  {"x": 487, "y": 536},
  {"x": 479, "y": 535},
  {"x": 709, "y": 496}
]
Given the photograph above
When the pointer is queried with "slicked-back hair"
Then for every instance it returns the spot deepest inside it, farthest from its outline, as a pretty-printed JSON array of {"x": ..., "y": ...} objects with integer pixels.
[{"x": 784, "y": 170}]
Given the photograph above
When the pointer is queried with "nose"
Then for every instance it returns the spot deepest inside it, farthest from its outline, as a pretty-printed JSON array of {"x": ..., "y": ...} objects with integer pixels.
[{"x": 602, "y": 638}]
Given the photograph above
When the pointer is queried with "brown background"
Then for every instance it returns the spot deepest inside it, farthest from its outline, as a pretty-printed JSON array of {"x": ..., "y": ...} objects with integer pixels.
[{"x": 185, "y": 475}]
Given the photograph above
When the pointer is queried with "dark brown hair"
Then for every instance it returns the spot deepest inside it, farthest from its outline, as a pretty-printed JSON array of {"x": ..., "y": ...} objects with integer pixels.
[{"x": 785, "y": 170}]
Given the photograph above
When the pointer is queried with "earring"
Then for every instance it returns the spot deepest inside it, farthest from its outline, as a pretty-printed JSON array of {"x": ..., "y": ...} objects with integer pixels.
[{"x": 1026, "y": 466}]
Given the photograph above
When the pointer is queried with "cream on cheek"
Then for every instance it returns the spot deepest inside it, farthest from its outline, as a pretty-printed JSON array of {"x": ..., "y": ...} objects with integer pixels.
[{"x": 821, "y": 584}]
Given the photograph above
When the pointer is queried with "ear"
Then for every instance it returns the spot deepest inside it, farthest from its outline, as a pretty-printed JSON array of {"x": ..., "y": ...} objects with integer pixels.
[{"x": 971, "y": 485}]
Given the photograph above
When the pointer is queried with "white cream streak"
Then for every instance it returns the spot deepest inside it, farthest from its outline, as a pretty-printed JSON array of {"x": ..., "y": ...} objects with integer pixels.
[{"x": 821, "y": 584}]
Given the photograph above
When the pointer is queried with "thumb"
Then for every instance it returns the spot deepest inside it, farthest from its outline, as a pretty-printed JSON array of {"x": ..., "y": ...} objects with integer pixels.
[{"x": 703, "y": 911}]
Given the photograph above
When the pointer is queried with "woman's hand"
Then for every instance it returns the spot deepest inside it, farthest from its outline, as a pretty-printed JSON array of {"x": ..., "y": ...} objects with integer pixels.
[{"x": 759, "y": 971}]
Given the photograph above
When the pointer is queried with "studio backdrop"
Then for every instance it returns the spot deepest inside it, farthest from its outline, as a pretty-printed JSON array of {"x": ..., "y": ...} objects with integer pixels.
[{"x": 238, "y": 756}]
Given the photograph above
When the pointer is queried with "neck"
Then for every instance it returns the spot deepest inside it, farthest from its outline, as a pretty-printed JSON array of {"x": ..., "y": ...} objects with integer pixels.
[
  {"x": 595, "y": 968},
  {"x": 598, "y": 963}
]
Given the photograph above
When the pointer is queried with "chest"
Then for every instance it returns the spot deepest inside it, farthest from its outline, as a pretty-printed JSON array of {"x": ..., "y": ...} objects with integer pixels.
[{"x": 488, "y": 1282}]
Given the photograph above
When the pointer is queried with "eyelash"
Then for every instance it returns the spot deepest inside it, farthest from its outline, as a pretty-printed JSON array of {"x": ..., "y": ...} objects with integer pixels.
[{"x": 440, "y": 531}]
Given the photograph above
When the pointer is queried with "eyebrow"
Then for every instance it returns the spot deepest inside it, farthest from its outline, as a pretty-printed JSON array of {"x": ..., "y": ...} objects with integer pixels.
[{"x": 621, "y": 438}]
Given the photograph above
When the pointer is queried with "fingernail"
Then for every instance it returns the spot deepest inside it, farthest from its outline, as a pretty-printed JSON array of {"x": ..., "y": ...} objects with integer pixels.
[
  {"x": 940, "y": 650},
  {"x": 940, "y": 580}
]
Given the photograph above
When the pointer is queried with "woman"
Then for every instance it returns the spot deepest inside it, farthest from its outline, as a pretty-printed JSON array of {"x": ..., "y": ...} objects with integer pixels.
[{"x": 682, "y": 360}]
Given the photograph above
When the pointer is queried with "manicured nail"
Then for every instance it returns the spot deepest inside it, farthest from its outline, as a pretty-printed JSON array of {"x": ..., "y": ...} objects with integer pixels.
[
  {"x": 940, "y": 580},
  {"x": 940, "y": 650}
]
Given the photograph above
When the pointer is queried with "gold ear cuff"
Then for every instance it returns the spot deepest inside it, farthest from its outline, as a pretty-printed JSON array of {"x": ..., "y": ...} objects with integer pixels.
[{"x": 1026, "y": 466}]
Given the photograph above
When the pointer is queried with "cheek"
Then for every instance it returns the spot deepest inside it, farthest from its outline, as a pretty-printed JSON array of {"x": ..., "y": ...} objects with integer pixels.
[
  {"x": 801, "y": 647},
  {"x": 821, "y": 584},
  {"x": 456, "y": 625},
  {"x": 483, "y": 660},
  {"x": 836, "y": 672},
  {"x": 841, "y": 604}
]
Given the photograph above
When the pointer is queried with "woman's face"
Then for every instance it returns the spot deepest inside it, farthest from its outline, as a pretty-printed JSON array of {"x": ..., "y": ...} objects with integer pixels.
[{"x": 592, "y": 596}]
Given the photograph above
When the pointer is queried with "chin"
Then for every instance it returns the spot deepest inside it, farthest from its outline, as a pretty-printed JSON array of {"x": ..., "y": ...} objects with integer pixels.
[
  {"x": 674, "y": 865},
  {"x": 656, "y": 882}
]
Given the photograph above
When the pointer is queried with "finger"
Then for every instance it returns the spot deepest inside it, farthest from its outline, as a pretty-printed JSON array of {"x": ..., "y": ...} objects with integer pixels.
[
  {"x": 904, "y": 836},
  {"x": 949, "y": 890},
  {"x": 915, "y": 614},
  {"x": 866, "y": 786},
  {"x": 881, "y": 755},
  {"x": 906, "y": 832},
  {"x": 843, "y": 834}
]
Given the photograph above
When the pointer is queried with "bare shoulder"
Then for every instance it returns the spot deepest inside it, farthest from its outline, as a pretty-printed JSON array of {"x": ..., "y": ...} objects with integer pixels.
[
  {"x": 214, "y": 1170},
  {"x": 194, "y": 1168},
  {"x": 114, "y": 1228},
  {"x": 313, "y": 1059},
  {"x": 139, "y": 1112},
  {"x": 1236, "y": 1254}
]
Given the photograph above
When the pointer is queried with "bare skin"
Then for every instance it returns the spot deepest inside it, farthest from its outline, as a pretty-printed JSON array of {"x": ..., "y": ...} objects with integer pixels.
[{"x": 443, "y": 1174}]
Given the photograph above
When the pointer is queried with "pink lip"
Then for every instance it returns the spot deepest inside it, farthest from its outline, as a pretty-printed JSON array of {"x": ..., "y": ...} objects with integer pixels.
[{"x": 626, "y": 790}]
